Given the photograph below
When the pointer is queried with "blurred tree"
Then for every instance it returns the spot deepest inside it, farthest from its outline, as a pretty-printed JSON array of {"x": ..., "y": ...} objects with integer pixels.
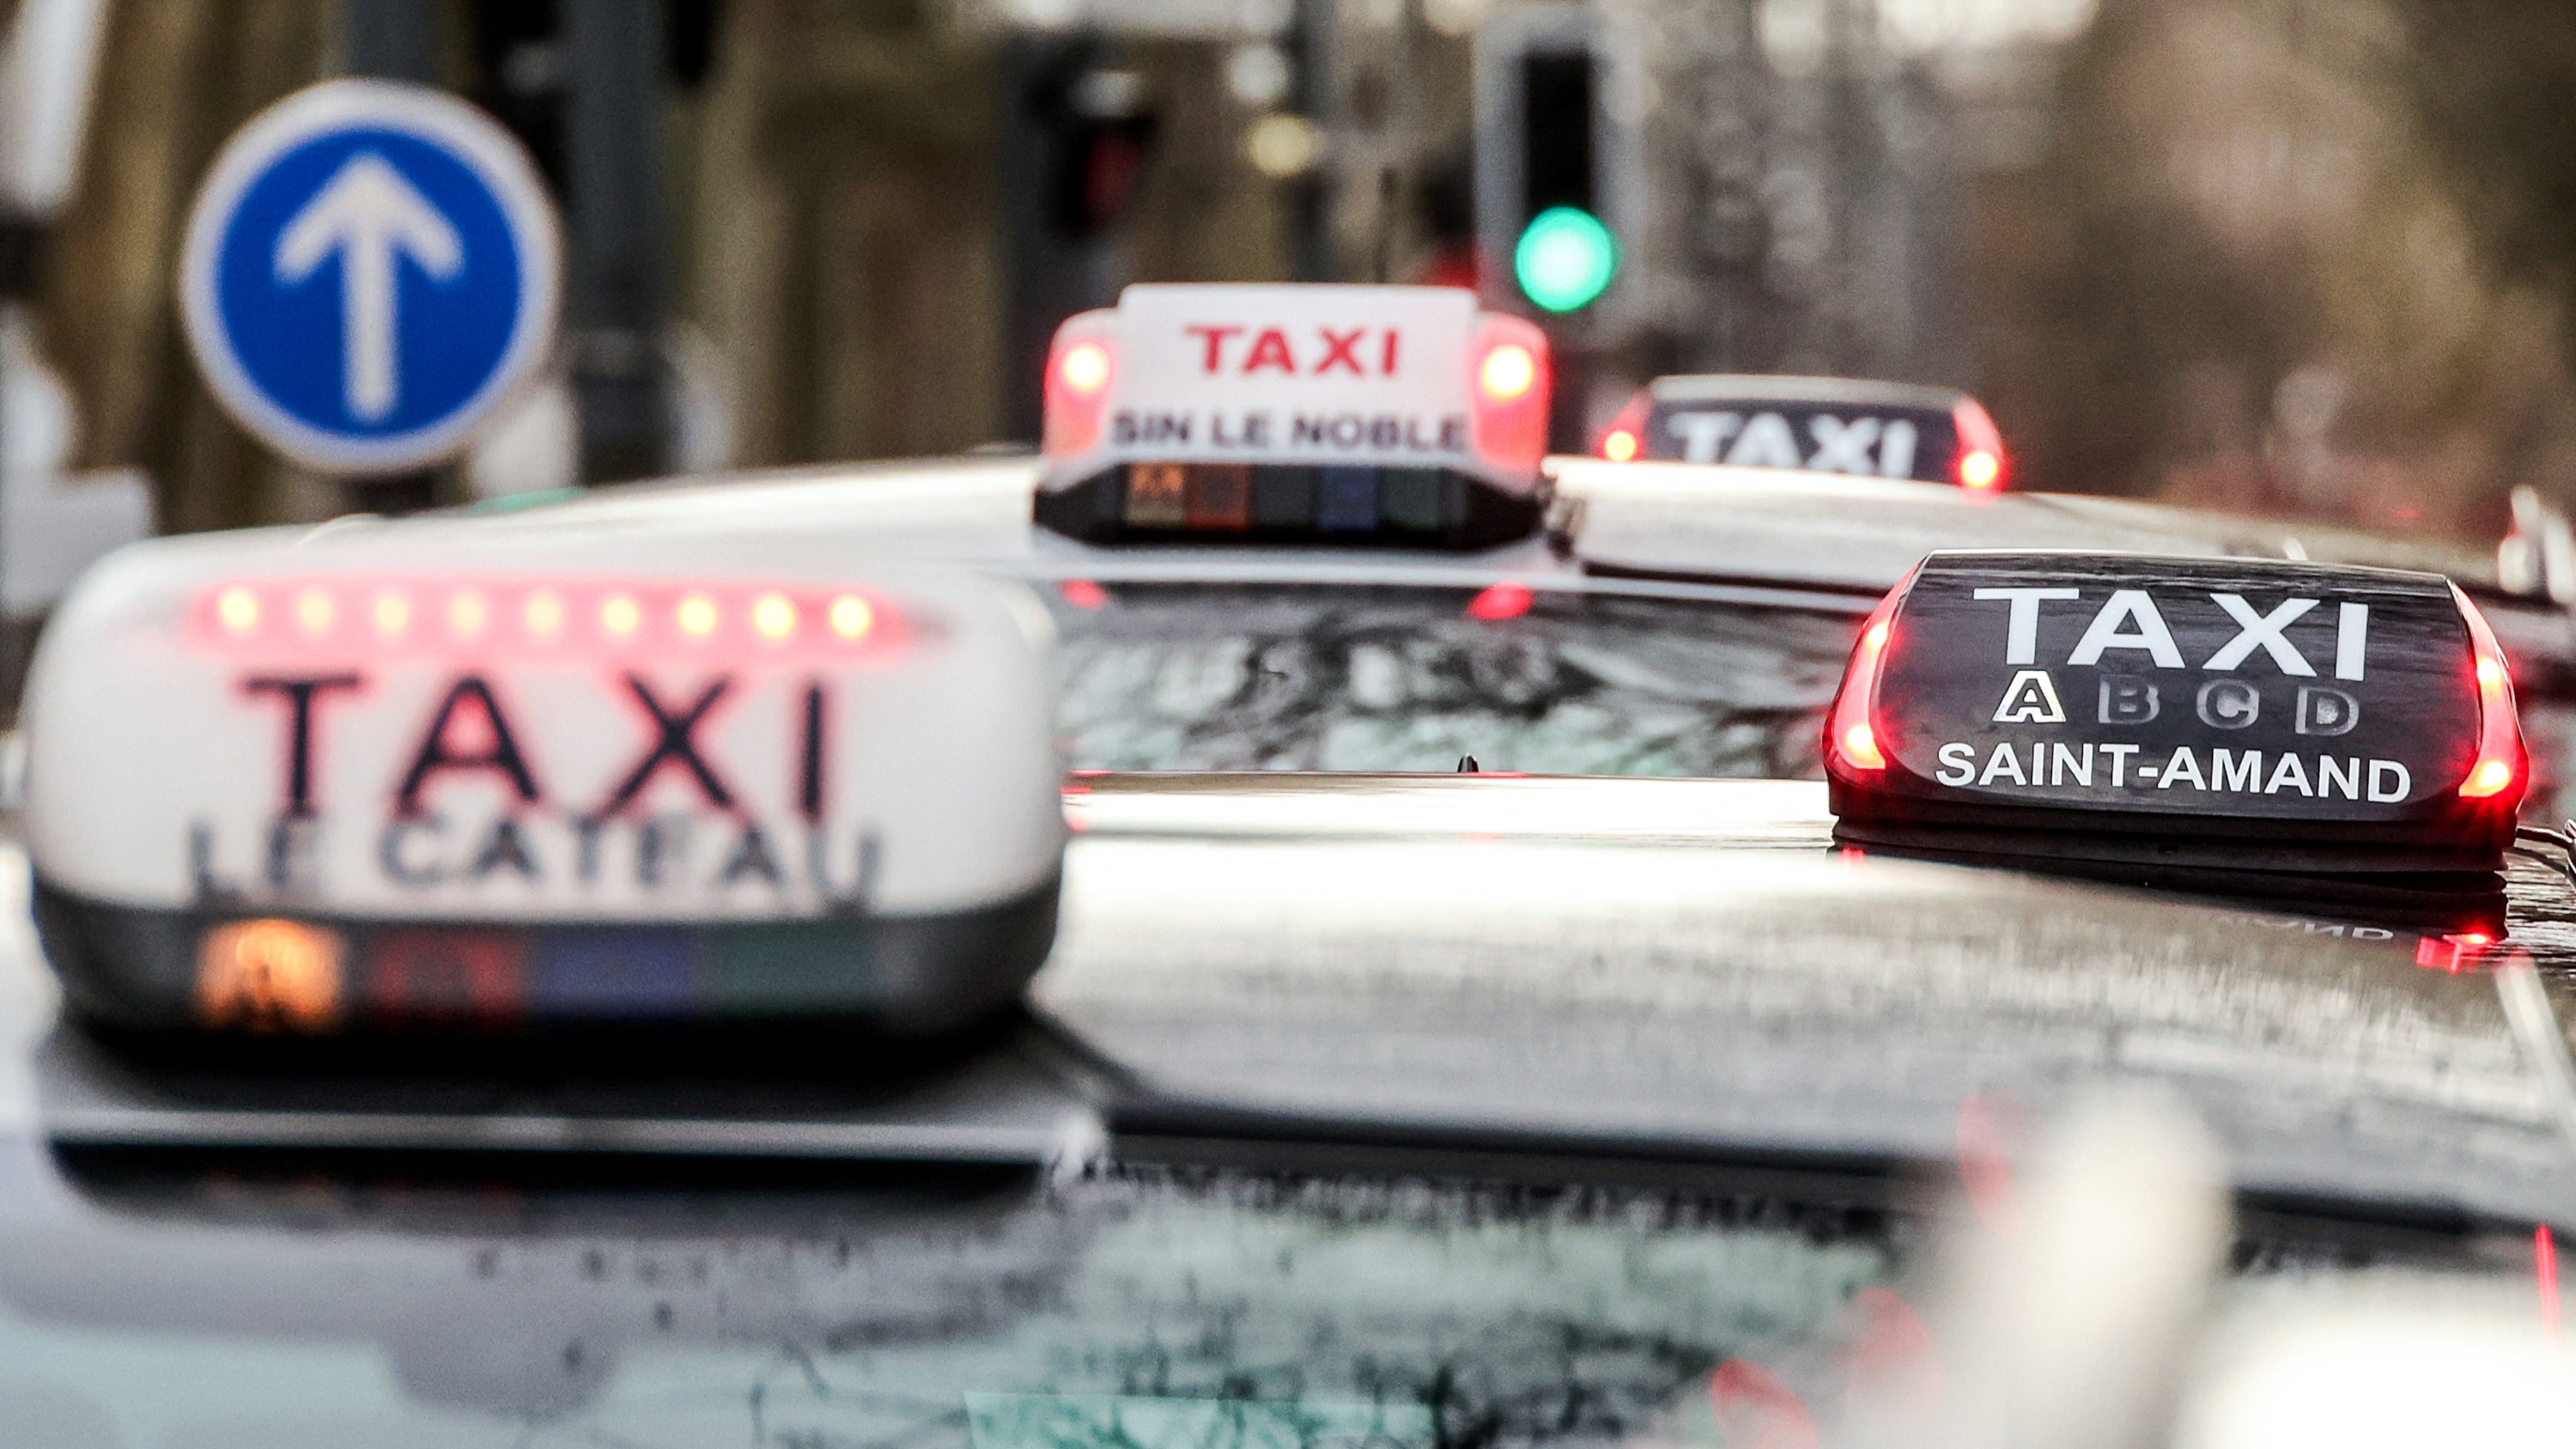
[
  {"x": 2281, "y": 256},
  {"x": 174, "y": 80}
]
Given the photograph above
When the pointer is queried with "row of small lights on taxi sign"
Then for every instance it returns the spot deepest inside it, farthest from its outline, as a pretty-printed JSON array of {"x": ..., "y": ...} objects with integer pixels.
[{"x": 446, "y": 615}]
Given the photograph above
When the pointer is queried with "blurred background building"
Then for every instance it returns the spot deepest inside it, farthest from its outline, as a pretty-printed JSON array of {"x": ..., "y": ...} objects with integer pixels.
[{"x": 2306, "y": 256}]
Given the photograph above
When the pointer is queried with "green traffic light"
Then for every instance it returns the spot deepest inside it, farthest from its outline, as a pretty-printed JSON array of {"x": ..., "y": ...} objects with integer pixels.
[{"x": 1565, "y": 259}]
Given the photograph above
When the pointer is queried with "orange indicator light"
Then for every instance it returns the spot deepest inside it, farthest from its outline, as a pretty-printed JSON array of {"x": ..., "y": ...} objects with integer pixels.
[
  {"x": 269, "y": 975},
  {"x": 1620, "y": 446},
  {"x": 773, "y": 617},
  {"x": 1852, "y": 739}
]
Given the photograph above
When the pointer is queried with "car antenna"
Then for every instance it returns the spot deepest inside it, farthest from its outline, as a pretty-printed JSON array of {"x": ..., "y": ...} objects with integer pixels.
[{"x": 1467, "y": 765}]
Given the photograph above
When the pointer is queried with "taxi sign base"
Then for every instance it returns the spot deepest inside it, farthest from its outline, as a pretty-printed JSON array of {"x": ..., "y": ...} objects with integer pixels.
[
  {"x": 2464, "y": 839},
  {"x": 144, "y": 971},
  {"x": 1357, "y": 507},
  {"x": 1013, "y": 1098},
  {"x": 2430, "y": 903}
]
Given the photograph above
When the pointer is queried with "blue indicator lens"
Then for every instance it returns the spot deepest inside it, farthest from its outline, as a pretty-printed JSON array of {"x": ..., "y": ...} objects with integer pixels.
[
  {"x": 628, "y": 971},
  {"x": 1346, "y": 500}
]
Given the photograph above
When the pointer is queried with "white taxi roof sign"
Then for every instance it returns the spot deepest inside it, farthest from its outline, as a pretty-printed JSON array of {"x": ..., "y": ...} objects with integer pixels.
[
  {"x": 561, "y": 739},
  {"x": 1280, "y": 383}
]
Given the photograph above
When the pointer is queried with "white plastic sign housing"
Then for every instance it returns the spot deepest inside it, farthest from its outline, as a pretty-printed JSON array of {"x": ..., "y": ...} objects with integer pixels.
[
  {"x": 1365, "y": 376},
  {"x": 431, "y": 723}
]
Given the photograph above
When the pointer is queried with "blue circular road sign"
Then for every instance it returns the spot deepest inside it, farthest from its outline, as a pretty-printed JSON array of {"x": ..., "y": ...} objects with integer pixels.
[{"x": 371, "y": 270}]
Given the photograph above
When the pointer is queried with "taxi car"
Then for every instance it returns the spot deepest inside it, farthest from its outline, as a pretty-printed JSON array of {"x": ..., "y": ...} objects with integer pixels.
[{"x": 1825, "y": 424}]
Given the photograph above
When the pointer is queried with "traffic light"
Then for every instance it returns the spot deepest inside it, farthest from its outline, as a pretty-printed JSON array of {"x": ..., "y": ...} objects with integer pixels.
[{"x": 1543, "y": 144}]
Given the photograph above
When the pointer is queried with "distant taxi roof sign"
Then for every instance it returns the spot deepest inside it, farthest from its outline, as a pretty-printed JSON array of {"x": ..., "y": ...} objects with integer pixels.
[
  {"x": 1354, "y": 414},
  {"x": 2236, "y": 715},
  {"x": 1821, "y": 424},
  {"x": 324, "y": 789}
]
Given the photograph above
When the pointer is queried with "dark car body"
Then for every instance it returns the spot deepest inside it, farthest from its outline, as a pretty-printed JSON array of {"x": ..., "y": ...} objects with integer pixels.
[{"x": 1342, "y": 1099}]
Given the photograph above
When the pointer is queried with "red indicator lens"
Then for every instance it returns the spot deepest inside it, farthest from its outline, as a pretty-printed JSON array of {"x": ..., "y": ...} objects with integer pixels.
[
  {"x": 1080, "y": 368},
  {"x": 1508, "y": 373},
  {"x": 1980, "y": 464},
  {"x": 2499, "y": 771},
  {"x": 2544, "y": 1265},
  {"x": 1084, "y": 369},
  {"x": 497, "y": 617},
  {"x": 1510, "y": 386},
  {"x": 1625, "y": 440},
  {"x": 1851, "y": 738},
  {"x": 1083, "y": 594}
]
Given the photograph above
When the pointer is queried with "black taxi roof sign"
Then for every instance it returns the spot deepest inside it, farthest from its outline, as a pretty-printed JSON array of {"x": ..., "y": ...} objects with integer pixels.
[
  {"x": 2250, "y": 715},
  {"x": 1299, "y": 412}
]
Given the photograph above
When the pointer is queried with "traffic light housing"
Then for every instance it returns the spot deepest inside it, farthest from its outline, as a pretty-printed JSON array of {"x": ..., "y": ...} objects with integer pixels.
[{"x": 1544, "y": 148}]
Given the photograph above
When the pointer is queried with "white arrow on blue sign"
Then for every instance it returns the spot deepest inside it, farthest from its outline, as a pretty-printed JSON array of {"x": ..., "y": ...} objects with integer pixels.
[{"x": 371, "y": 270}]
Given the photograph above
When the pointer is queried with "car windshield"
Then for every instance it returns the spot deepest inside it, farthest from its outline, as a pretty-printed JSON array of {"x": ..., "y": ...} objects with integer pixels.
[
  {"x": 1316, "y": 677},
  {"x": 1144, "y": 1307},
  {"x": 1140, "y": 1309}
]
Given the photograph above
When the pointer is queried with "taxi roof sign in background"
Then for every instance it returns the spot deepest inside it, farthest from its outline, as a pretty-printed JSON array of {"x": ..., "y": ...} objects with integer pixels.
[{"x": 371, "y": 269}]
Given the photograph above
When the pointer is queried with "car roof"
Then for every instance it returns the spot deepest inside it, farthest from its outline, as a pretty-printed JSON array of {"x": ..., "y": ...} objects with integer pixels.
[
  {"x": 1710, "y": 523},
  {"x": 1611, "y": 969}
]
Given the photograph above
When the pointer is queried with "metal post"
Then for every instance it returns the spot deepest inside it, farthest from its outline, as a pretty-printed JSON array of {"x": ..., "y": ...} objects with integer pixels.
[
  {"x": 391, "y": 40},
  {"x": 613, "y": 163},
  {"x": 1307, "y": 201},
  {"x": 394, "y": 39}
]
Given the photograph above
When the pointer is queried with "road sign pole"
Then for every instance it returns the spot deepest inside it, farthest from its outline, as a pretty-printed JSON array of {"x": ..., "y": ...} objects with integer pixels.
[
  {"x": 392, "y": 40},
  {"x": 614, "y": 149}
]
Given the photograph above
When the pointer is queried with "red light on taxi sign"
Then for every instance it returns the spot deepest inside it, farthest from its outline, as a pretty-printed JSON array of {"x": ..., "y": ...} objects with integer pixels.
[
  {"x": 1851, "y": 736},
  {"x": 1507, "y": 373},
  {"x": 437, "y": 617},
  {"x": 2501, "y": 759},
  {"x": 1080, "y": 367},
  {"x": 1624, "y": 440},
  {"x": 1084, "y": 369},
  {"x": 1511, "y": 391},
  {"x": 1980, "y": 465}
]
